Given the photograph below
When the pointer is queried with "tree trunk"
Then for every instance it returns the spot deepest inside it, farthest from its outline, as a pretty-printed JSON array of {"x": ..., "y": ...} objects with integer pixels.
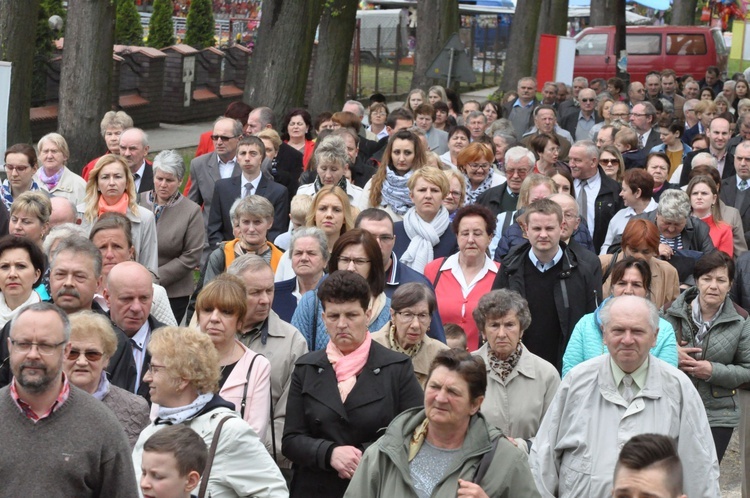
[
  {"x": 603, "y": 12},
  {"x": 437, "y": 21},
  {"x": 86, "y": 78},
  {"x": 18, "y": 19},
  {"x": 553, "y": 20},
  {"x": 683, "y": 12},
  {"x": 522, "y": 45},
  {"x": 337, "y": 26},
  {"x": 278, "y": 69}
]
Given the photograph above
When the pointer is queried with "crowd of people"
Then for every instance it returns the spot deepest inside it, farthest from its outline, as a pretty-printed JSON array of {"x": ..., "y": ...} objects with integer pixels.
[{"x": 532, "y": 297}]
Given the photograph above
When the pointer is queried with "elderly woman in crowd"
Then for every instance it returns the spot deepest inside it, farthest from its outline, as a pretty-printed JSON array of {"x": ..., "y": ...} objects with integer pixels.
[
  {"x": 332, "y": 213},
  {"x": 704, "y": 205},
  {"x": 378, "y": 113},
  {"x": 637, "y": 189},
  {"x": 92, "y": 344},
  {"x": 113, "y": 236},
  {"x": 658, "y": 166},
  {"x": 412, "y": 306},
  {"x": 456, "y": 196},
  {"x": 111, "y": 189},
  {"x": 331, "y": 162},
  {"x": 640, "y": 240},
  {"x": 342, "y": 397},
  {"x": 461, "y": 279},
  {"x": 387, "y": 188},
  {"x": 436, "y": 449},
  {"x": 54, "y": 176},
  {"x": 112, "y": 125},
  {"x": 520, "y": 385},
  {"x": 22, "y": 264},
  {"x": 714, "y": 343},
  {"x": 245, "y": 375},
  {"x": 475, "y": 162},
  {"x": 423, "y": 235},
  {"x": 502, "y": 140},
  {"x": 630, "y": 277},
  {"x": 184, "y": 378},
  {"x": 179, "y": 229},
  {"x": 296, "y": 130},
  {"x": 356, "y": 251},
  {"x": 309, "y": 257},
  {"x": 679, "y": 232},
  {"x": 20, "y": 168},
  {"x": 458, "y": 139}
]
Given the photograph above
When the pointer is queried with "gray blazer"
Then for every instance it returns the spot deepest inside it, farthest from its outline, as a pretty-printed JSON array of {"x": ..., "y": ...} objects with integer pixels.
[
  {"x": 437, "y": 140},
  {"x": 204, "y": 173}
]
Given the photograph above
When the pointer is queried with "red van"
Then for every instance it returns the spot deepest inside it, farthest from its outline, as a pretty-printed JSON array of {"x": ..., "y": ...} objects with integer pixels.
[{"x": 686, "y": 49}]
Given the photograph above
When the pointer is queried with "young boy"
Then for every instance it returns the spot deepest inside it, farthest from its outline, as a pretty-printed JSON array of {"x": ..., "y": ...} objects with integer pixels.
[
  {"x": 301, "y": 204},
  {"x": 455, "y": 336},
  {"x": 173, "y": 461}
]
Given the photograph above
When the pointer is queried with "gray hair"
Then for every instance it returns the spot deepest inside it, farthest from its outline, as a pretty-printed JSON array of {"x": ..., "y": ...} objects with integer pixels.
[
  {"x": 81, "y": 246},
  {"x": 115, "y": 119},
  {"x": 730, "y": 83},
  {"x": 476, "y": 114},
  {"x": 501, "y": 124},
  {"x": 674, "y": 205},
  {"x": 648, "y": 107},
  {"x": 581, "y": 79},
  {"x": 705, "y": 156},
  {"x": 689, "y": 104},
  {"x": 61, "y": 232},
  {"x": 360, "y": 107},
  {"x": 743, "y": 103},
  {"x": 667, "y": 106},
  {"x": 251, "y": 205},
  {"x": 265, "y": 116},
  {"x": 589, "y": 147},
  {"x": 41, "y": 307},
  {"x": 509, "y": 138},
  {"x": 237, "y": 127},
  {"x": 170, "y": 163},
  {"x": 605, "y": 314},
  {"x": 144, "y": 136},
  {"x": 248, "y": 262},
  {"x": 499, "y": 303},
  {"x": 315, "y": 233},
  {"x": 413, "y": 293},
  {"x": 515, "y": 154}
]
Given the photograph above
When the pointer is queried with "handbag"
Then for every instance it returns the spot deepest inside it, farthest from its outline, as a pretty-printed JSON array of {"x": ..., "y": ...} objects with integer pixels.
[{"x": 210, "y": 460}]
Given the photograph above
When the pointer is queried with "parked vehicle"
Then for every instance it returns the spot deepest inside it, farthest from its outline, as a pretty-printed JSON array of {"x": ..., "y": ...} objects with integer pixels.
[
  {"x": 390, "y": 21},
  {"x": 686, "y": 49}
]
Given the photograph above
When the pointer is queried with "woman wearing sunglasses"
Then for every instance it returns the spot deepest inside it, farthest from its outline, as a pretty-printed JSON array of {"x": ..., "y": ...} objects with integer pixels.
[{"x": 93, "y": 342}]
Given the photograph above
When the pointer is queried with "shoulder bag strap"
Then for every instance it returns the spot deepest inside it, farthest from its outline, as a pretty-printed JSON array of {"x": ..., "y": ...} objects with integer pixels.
[
  {"x": 210, "y": 460},
  {"x": 437, "y": 275},
  {"x": 484, "y": 464},
  {"x": 244, "y": 391}
]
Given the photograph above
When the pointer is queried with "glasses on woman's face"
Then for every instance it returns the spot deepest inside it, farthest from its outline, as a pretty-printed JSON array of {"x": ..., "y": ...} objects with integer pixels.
[
  {"x": 343, "y": 260},
  {"x": 408, "y": 317},
  {"x": 456, "y": 194},
  {"x": 89, "y": 355},
  {"x": 478, "y": 166},
  {"x": 607, "y": 162}
]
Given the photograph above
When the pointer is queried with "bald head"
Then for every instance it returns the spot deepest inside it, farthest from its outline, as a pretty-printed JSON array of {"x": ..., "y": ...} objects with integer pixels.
[
  {"x": 129, "y": 294},
  {"x": 63, "y": 211}
]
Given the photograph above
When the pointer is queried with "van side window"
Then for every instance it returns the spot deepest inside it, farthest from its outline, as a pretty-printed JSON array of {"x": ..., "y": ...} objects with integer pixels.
[
  {"x": 686, "y": 44},
  {"x": 643, "y": 44},
  {"x": 593, "y": 44}
]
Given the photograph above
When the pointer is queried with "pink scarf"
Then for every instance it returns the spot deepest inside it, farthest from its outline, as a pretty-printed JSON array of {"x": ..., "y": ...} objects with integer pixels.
[{"x": 347, "y": 367}]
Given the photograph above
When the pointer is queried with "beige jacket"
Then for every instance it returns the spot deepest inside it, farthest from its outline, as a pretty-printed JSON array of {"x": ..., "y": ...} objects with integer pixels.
[
  {"x": 665, "y": 282},
  {"x": 70, "y": 186},
  {"x": 421, "y": 362},
  {"x": 518, "y": 405}
]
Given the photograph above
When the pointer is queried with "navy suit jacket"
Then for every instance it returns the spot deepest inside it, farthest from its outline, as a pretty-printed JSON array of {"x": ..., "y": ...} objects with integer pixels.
[
  {"x": 445, "y": 247},
  {"x": 227, "y": 191}
]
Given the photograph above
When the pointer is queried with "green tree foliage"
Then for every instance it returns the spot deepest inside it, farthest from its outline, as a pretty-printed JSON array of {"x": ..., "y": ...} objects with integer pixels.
[
  {"x": 160, "y": 27},
  {"x": 128, "y": 29},
  {"x": 200, "y": 25},
  {"x": 45, "y": 36}
]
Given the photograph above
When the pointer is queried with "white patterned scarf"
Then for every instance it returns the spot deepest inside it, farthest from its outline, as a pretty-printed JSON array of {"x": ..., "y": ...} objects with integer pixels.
[
  {"x": 423, "y": 237},
  {"x": 395, "y": 192},
  {"x": 179, "y": 414},
  {"x": 472, "y": 194}
]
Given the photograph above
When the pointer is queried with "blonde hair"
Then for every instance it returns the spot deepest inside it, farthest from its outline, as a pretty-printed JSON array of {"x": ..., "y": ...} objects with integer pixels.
[
  {"x": 271, "y": 135},
  {"x": 188, "y": 354},
  {"x": 91, "y": 210},
  {"x": 88, "y": 325},
  {"x": 34, "y": 203},
  {"x": 452, "y": 173},
  {"x": 431, "y": 175},
  {"x": 300, "y": 205},
  {"x": 345, "y": 204},
  {"x": 531, "y": 181}
]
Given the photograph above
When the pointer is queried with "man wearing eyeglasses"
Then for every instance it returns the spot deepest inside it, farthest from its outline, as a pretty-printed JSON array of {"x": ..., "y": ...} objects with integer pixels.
[
  {"x": 642, "y": 118},
  {"x": 579, "y": 121},
  {"x": 380, "y": 225},
  {"x": 519, "y": 161},
  {"x": 57, "y": 440},
  {"x": 207, "y": 169}
]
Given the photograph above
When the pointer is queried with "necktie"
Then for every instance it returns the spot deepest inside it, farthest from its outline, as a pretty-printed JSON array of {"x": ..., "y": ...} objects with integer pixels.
[
  {"x": 743, "y": 185},
  {"x": 583, "y": 201},
  {"x": 627, "y": 392},
  {"x": 248, "y": 189},
  {"x": 641, "y": 142}
]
